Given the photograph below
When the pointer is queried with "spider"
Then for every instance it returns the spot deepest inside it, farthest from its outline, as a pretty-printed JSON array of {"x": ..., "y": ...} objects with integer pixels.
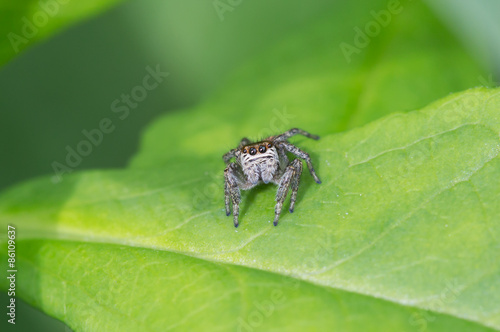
[{"x": 265, "y": 161}]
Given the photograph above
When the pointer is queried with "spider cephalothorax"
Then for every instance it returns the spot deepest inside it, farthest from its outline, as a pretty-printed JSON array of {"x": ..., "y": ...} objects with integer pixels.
[{"x": 265, "y": 161}]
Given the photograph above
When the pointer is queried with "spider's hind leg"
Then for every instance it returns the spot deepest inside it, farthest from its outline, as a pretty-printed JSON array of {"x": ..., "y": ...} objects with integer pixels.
[
  {"x": 287, "y": 181},
  {"x": 295, "y": 182}
]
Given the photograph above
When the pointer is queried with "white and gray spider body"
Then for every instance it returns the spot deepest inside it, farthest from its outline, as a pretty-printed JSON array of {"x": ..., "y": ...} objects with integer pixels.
[{"x": 263, "y": 162}]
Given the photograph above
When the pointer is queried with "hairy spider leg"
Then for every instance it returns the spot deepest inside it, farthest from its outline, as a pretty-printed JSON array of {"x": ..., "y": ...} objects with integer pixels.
[
  {"x": 244, "y": 141},
  {"x": 227, "y": 157},
  {"x": 293, "y": 132},
  {"x": 232, "y": 191},
  {"x": 283, "y": 159},
  {"x": 284, "y": 185},
  {"x": 304, "y": 155},
  {"x": 295, "y": 182}
]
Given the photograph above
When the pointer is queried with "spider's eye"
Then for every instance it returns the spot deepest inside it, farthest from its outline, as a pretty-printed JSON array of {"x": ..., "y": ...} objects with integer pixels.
[
  {"x": 244, "y": 151},
  {"x": 253, "y": 151},
  {"x": 262, "y": 149},
  {"x": 269, "y": 145}
]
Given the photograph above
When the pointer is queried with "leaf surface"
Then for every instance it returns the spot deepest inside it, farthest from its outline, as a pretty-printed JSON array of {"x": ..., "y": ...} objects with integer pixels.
[
  {"x": 403, "y": 231},
  {"x": 406, "y": 218}
]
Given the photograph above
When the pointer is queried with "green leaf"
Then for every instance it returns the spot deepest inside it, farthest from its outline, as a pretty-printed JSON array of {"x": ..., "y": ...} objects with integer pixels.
[
  {"x": 402, "y": 235},
  {"x": 26, "y": 22},
  {"x": 406, "y": 220}
]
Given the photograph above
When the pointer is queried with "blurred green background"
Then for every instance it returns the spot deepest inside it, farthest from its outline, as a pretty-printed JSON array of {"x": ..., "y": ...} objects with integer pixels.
[{"x": 53, "y": 91}]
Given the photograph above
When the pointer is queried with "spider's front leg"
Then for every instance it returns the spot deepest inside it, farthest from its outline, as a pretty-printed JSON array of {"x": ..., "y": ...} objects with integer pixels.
[
  {"x": 227, "y": 157},
  {"x": 288, "y": 179},
  {"x": 232, "y": 191},
  {"x": 244, "y": 141},
  {"x": 295, "y": 131},
  {"x": 304, "y": 155}
]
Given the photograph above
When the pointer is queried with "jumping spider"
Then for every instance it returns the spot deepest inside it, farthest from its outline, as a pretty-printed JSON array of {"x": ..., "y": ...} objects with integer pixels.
[{"x": 265, "y": 161}]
